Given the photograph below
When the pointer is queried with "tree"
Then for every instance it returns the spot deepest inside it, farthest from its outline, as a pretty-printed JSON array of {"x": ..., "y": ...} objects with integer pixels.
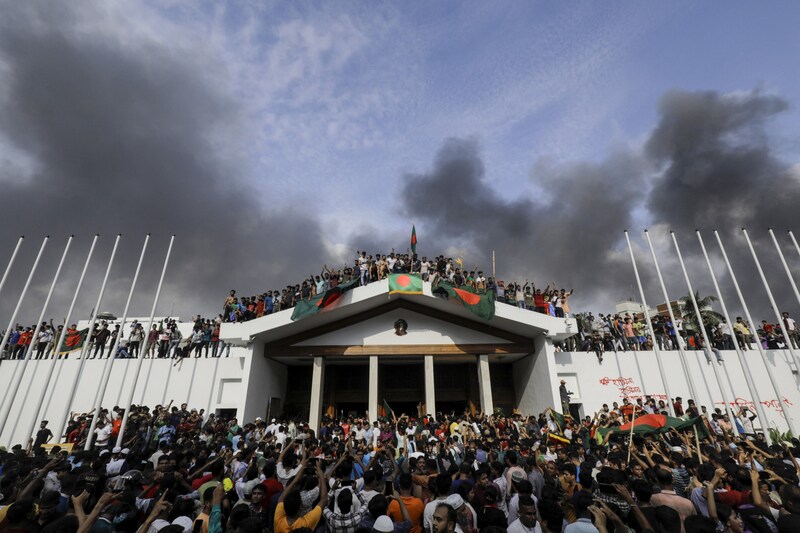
[{"x": 708, "y": 315}]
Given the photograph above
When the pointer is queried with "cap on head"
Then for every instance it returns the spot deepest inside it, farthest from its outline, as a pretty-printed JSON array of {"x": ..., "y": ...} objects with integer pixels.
[{"x": 384, "y": 524}]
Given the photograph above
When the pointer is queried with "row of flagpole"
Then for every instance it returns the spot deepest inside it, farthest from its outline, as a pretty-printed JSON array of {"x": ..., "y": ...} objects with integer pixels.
[
  {"x": 19, "y": 369},
  {"x": 756, "y": 398}
]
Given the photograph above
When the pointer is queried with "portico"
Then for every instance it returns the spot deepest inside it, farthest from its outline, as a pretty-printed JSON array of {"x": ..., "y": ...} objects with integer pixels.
[{"x": 349, "y": 359}]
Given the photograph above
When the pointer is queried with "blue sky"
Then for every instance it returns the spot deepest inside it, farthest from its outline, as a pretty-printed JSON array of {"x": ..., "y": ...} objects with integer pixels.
[{"x": 346, "y": 96}]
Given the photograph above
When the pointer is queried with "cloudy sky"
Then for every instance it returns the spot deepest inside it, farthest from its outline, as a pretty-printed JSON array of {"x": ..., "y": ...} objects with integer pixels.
[{"x": 273, "y": 138}]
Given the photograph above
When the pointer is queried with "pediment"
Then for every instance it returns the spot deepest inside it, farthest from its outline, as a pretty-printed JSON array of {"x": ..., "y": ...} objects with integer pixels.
[{"x": 421, "y": 329}]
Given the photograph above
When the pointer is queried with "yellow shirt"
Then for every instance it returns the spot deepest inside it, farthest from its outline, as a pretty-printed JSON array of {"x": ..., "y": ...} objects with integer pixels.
[{"x": 309, "y": 520}]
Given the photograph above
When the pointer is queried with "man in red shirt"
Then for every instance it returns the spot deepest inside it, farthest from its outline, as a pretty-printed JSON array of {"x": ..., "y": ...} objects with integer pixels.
[
  {"x": 24, "y": 343},
  {"x": 271, "y": 484},
  {"x": 677, "y": 406}
]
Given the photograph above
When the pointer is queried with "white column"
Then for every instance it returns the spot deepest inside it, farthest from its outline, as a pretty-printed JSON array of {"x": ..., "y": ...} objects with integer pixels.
[
  {"x": 317, "y": 390},
  {"x": 430, "y": 384},
  {"x": 372, "y": 406},
  {"x": 485, "y": 384}
]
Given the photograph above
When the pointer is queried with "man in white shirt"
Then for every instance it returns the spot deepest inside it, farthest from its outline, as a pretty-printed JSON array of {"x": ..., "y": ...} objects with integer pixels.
[
  {"x": 103, "y": 433},
  {"x": 526, "y": 523},
  {"x": 791, "y": 328},
  {"x": 424, "y": 267}
]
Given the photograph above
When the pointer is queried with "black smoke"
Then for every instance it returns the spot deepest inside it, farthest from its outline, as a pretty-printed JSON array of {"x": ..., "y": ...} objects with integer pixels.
[
  {"x": 708, "y": 164},
  {"x": 124, "y": 135}
]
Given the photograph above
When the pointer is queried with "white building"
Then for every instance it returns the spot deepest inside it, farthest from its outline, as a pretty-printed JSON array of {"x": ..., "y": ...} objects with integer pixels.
[{"x": 348, "y": 359}]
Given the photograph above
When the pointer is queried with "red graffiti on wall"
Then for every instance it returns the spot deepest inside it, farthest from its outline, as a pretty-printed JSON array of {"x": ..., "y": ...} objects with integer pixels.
[
  {"x": 618, "y": 382},
  {"x": 770, "y": 404}
]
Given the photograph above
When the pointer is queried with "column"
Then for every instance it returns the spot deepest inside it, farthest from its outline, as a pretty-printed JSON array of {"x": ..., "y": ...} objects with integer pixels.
[
  {"x": 317, "y": 389},
  {"x": 430, "y": 392},
  {"x": 372, "y": 406},
  {"x": 485, "y": 385}
]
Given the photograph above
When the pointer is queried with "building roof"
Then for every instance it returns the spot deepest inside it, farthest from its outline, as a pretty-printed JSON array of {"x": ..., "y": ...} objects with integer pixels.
[{"x": 371, "y": 300}]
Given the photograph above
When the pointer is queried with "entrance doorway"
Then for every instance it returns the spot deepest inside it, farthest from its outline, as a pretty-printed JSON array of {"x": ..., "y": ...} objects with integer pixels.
[
  {"x": 402, "y": 385},
  {"x": 346, "y": 389}
]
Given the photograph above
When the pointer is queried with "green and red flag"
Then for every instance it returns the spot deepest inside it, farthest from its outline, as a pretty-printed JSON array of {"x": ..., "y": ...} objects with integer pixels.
[
  {"x": 388, "y": 411},
  {"x": 413, "y": 239},
  {"x": 659, "y": 424},
  {"x": 405, "y": 283},
  {"x": 322, "y": 302},
  {"x": 74, "y": 340},
  {"x": 480, "y": 304}
]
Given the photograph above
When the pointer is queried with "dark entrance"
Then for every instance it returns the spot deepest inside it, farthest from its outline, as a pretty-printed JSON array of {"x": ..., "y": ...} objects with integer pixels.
[
  {"x": 298, "y": 391},
  {"x": 456, "y": 387},
  {"x": 402, "y": 385},
  {"x": 346, "y": 390}
]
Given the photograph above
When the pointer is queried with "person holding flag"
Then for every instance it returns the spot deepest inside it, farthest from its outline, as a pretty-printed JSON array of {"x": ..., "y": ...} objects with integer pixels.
[{"x": 73, "y": 341}]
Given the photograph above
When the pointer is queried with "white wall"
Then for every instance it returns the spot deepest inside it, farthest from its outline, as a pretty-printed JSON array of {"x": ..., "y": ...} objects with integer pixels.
[
  {"x": 208, "y": 384},
  {"x": 266, "y": 379},
  {"x": 535, "y": 382},
  {"x": 594, "y": 384}
]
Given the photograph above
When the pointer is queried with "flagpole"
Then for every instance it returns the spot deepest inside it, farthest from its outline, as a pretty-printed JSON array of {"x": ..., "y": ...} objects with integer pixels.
[
  {"x": 796, "y": 246},
  {"x": 630, "y": 437},
  {"x": 22, "y": 296},
  {"x": 11, "y": 322},
  {"x": 494, "y": 265},
  {"x": 678, "y": 340},
  {"x": 11, "y": 262},
  {"x": 650, "y": 329},
  {"x": 61, "y": 338},
  {"x": 140, "y": 358},
  {"x": 748, "y": 377},
  {"x": 704, "y": 334},
  {"x": 14, "y": 387},
  {"x": 786, "y": 268},
  {"x": 784, "y": 408},
  {"x": 113, "y": 355},
  {"x": 772, "y": 302},
  {"x": 697, "y": 441},
  {"x": 84, "y": 353}
]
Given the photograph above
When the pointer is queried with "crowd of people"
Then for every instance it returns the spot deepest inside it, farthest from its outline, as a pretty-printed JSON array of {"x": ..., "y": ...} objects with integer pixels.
[
  {"x": 182, "y": 470},
  {"x": 368, "y": 269},
  {"x": 622, "y": 332},
  {"x": 163, "y": 340}
]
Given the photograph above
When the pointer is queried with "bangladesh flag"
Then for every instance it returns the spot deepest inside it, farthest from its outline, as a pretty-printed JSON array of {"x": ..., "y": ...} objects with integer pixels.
[
  {"x": 405, "y": 283},
  {"x": 388, "y": 410},
  {"x": 480, "y": 304},
  {"x": 321, "y": 302},
  {"x": 413, "y": 239},
  {"x": 659, "y": 424},
  {"x": 74, "y": 340}
]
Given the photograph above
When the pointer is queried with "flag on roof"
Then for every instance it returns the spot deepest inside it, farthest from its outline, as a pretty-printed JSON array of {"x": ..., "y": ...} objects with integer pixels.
[
  {"x": 74, "y": 340},
  {"x": 405, "y": 283},
  {"x": 321, "y": 302},
  {"x": 413, "y": 239},
  {"x": 480, "y": 304}
]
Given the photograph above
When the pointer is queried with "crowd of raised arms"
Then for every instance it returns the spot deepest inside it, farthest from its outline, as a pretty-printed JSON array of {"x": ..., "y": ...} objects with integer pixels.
[
  {"x": 180, "y": 470},
  {"x": 368, "y": 269}
]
